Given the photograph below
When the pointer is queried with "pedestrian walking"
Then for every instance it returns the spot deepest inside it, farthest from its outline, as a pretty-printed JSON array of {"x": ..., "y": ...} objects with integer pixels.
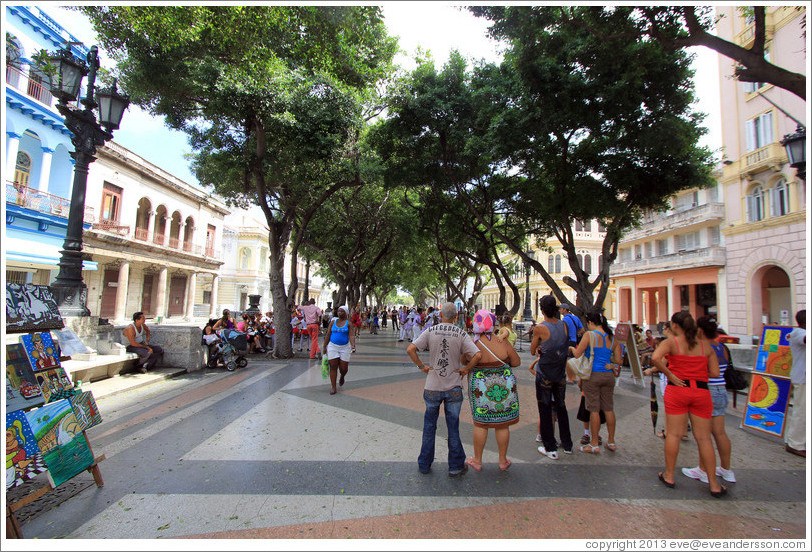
[
  {"x": 311, "y": 317},
  {"x": 550, "y": 344},
  {"x": 404, "y": 320},
  {"x": 446, "y": 344},
  {"x": 138, "y": 342},
  {"x": 690, "y": 364},
  {"x": 339, "y": 343},
  {"x": 796, "y": 424},
  {"x": 492, "y": 390}
]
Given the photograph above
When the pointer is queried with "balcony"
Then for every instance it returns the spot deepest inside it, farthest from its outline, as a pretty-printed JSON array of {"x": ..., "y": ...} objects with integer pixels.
[
  {"x": 771, "y": 155},
  {"x": 696, "y": 258},
  {"x": 159, "y": 239},
  {"x": 31, "y": 87},
  {"x": 111, "y": 226},
  {"x": 141, "y": 234},
  {"x": 682, "y": 220},
  {"x": 174, "y": 243},
  {"x": 43, "y": 202}
]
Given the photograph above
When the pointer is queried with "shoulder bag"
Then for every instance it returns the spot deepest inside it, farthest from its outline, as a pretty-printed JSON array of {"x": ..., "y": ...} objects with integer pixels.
[
  {"x": 734, "y": 379},
  {"x": 582, "y": 367}
]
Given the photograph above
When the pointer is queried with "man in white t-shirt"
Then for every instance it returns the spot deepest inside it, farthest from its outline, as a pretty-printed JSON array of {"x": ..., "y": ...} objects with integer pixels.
[
  {"x": 445, "y": 342},
  {"x": 796, "y": 424}
]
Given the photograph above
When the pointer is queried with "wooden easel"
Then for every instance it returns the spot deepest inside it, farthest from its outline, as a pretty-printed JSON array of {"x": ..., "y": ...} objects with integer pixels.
[
  {"x": 625, "y": 333},
  {"x": 13, "y": 529}
]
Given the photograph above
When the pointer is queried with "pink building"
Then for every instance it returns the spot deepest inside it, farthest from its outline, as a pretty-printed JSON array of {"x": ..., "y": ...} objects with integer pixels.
[{"x": 765, "y": 230}]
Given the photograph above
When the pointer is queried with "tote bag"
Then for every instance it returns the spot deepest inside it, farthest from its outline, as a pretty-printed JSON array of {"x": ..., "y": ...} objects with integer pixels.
[{"x": 582, "y": 367}]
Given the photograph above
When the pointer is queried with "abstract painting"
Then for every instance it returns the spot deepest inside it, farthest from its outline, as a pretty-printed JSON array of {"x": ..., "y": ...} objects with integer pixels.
[
  {"x": 85, "y": 409},
  {"x": 774, "y": 354},
  {"x": 64, "y": 447},
  {"x": 41, "y": 350},
  {"x": 22, "y": 389},
  {"x": 767, "y": 403},
  {"x": 23, "y": 458},
  {"x": 31, "y": 308}
]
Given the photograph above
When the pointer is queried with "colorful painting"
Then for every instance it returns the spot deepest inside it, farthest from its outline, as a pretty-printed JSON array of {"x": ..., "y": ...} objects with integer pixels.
[
  {"x": 774, "y": 354},
  {"x": 31, "y": 308},
  {"x": 22, "y": 389},
  {"x": 64, "y": 447},
  {"x": 53, "y": 382},
  {"x": 767, "y": 404},
  {"x": 23, "y": 458},
  {"x": 85, "y": 409},
  {"x": 41, "y": 350}
]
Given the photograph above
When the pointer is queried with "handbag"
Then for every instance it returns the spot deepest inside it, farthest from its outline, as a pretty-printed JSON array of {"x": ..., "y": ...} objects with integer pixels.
[
  {"x": 582, "y": 367},
  {"x": 734, "y": 379}
]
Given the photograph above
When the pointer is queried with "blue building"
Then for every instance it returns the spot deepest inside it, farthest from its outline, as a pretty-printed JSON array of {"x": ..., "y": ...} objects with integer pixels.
[{"x": 38, "y": 169}]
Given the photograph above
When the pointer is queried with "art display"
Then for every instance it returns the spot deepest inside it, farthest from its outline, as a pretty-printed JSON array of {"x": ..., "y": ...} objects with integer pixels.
[
  {"x": 85, "y": 409},
  {"x": 31, "y": 308},
  {"x": 23, "y": 457},
  {"x": 22, "y": 389},
  {"x": 774, "y": 354},
  {"x": 767, "y": 404},
  {"x": 64, "y": 447},
  {"x": 625, "y": 335},
  {"x": 41, "y": 350},
  {"x": 69, "y": 343},
  {"x": 53, "y": 382}
]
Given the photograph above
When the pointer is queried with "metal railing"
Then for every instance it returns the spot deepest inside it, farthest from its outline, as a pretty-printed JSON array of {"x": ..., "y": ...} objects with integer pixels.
[
  {"x": 141, "y": 234},
  {"x": 159, "y": 239},
  {"x": 38, "y": 201},
  {"x": 33, "y": 88},
  {"x": 174, "y": 243},
  {"x": 111, "y": 226}
]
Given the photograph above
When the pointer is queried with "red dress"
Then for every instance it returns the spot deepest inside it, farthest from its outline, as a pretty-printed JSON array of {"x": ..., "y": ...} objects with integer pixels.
[{"x": 690, "y": 399}]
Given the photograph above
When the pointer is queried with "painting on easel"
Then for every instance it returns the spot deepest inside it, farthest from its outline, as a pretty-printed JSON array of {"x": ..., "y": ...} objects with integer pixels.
[
  {"x": 41, "y": 350},
  {"x": 64, "y": 447},
  {"x": 22, "y": 389},
  {"x": 774, "y": 355},
  {"x": 767, "y": 403},
  {"x": 31, "y": 308},
  {"x": 53, "y": 382},
  {"x": 23, "y": 457},
  {"x": 85, "y": 409}
]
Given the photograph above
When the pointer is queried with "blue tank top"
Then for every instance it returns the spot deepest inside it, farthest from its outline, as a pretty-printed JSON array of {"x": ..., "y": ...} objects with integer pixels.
[
  {"x": 719, "y": 349},
  {"x": 340, "y": 335},
  {"x": 603, "y": 354}
]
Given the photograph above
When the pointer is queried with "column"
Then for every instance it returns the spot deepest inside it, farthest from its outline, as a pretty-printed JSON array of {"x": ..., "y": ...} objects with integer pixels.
[
  {"x": 190, "y": 295},
  {"x": 638, "y": 306},
  {"x": 45, "y": 170},
  {"x": 121, "y": 292},
  {"x": 721, "y": 300},
  {"x": 215, "y": 284},
  {"x": 12, "y": 148},
  {"x": 693, "y": 307},
  {"x": 671, "y": 302},
  {"x": 160, "y": 307},
  {"x": 662, "y": 304}
]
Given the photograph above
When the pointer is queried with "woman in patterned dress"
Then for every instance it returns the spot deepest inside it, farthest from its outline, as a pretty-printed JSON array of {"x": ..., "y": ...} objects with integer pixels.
[{"x": 492, "y": 390}]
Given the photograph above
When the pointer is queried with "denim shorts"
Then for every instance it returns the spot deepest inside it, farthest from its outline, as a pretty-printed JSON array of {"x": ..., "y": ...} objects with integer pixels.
[{"x": 719, "y": 398}]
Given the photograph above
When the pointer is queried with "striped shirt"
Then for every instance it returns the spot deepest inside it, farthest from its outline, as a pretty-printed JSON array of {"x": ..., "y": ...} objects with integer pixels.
[{"x": 719, "y": 349}]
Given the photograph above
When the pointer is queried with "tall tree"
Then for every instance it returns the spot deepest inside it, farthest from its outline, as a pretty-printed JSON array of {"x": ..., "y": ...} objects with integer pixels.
[{"x": 270, "y": 97}]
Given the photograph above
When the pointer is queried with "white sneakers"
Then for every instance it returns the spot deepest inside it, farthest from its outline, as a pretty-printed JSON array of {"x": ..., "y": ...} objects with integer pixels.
[
  {"x": 553, "y": 455},
  {"x": 698, "y": 473},
  {"x": 538, "y": 438}
]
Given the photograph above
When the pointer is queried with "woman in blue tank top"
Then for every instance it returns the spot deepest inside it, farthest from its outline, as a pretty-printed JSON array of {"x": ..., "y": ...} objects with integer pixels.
[
  {"x": 599, "y": 389},
  {"x": 339, "y": 343}
]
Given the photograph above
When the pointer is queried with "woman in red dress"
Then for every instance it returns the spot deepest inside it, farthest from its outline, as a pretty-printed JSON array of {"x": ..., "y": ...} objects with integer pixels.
[{"x": 689, "y": 364}]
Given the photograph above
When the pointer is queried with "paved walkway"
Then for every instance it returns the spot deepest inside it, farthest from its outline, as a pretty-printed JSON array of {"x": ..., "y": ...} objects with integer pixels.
[{"x": 266, "y": 452}]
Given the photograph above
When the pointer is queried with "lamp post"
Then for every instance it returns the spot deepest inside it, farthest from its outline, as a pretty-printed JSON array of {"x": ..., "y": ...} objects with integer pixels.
[
  {"x": 795, "y": 144},
  {"x": 527, "y": 314},
  {"x": 69, "y": 290}
]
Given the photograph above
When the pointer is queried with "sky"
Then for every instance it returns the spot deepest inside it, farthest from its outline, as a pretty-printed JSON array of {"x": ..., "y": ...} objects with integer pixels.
[{"x": 438, "y": 27}]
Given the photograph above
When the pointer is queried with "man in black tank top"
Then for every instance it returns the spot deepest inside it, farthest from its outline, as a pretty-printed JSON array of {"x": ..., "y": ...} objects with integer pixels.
[{"x": 550, "y": 341}]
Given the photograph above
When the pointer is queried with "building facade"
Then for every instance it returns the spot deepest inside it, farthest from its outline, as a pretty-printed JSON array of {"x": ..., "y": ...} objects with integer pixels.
[
  {"x": 675, "y": 260},
  {"x": 589, "y": 238},
  {"x": 765, "y": 230}
]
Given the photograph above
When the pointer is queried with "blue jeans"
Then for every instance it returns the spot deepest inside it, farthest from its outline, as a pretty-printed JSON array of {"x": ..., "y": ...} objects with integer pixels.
[{"x": 453, "y": 404}]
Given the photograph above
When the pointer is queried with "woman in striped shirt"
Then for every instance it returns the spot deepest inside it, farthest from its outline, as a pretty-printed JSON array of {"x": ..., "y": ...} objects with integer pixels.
[{"x": 708, "y": 331}]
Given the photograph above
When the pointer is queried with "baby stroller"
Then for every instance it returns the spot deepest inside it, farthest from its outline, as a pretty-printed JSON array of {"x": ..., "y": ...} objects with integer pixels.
[{"x": 230, "y": 351}]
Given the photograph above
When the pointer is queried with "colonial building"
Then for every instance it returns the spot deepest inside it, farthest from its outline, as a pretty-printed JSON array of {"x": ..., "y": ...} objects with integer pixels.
[
  {"x": 37, "y": 168},
  {"x": 588, "y": 238},
  {"x": 157, "y": 241},
  {"x": 765, "y": 230},
  {"x": 674, "y": 261}
]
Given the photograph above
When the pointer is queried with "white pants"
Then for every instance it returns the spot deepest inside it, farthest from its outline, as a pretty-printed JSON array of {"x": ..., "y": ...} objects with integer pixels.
[
  {"x": 403, "y": 328},
  {"x": 416, "y": 329},
  {"x": 796, "y": 423}
]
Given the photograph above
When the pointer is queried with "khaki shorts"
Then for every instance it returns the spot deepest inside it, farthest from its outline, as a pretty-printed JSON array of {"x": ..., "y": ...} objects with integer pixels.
[{"x": 599, "y": 392}]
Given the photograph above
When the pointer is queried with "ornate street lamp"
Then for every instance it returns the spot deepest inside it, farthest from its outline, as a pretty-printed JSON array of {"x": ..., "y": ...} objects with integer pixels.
[
  {"x": 527, "y": 314},
  {"x": 795, "y": 144},
  {"x": 69, "y": 290}
]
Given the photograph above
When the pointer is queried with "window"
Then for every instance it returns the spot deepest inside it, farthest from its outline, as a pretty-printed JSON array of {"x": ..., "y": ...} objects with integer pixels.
[
  {"x": 625, "y": 255},
  {"x": 245, "y": 258},
  {"x": 588, "y": 264},
  {"x": 687, "y": 201},
  {"x": 588, "y": 226},
  {"x": 550, "y": 264},
  {"x": 755, "y": 205},
  {"x": 558, "y": 264},
  {"x": 22, "y": 170},
  {"x": 662, "y": 247},
  {"x": 779, "y": 199},
  {"x": 206, "y": 297},
  {"x": 688, "y": 242},
  {"x": 601, "y": 227},
  {"x": 580, "y": 261},
  {"x": 16, "y": 277},
  {"x": 649, "y": 250},
  {"x": 759, "y": 131},
  {"x": 714, "y": 235},
  {"x": 638, "y": 252},
  {"x": 579, "y": 226},
  {"x": 111, "y": 203},
  {"x": 713, "y": 194},
  {"x": 263, "y": 256}
]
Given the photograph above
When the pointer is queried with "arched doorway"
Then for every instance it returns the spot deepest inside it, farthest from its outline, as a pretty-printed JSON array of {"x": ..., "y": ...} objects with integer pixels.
[{"x": 776, "y": 296}]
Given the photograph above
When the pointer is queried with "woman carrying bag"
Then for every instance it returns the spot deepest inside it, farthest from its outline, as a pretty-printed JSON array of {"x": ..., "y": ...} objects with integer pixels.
[{"x": 599, "y": 387}]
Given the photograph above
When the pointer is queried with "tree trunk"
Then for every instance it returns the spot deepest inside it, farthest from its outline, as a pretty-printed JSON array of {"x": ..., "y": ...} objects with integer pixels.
[{"x": 277, "y": 244}]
